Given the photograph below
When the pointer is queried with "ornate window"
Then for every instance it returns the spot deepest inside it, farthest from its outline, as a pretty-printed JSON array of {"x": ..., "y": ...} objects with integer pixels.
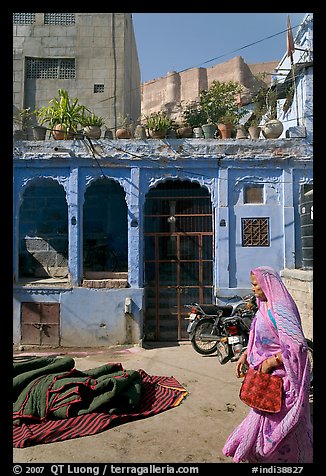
[
  {"x": 23, "y": 18},
  {"x": 255, "y": 231},
  {"x": 59, "y": 18},
  {"x": 50, "y": 68}
]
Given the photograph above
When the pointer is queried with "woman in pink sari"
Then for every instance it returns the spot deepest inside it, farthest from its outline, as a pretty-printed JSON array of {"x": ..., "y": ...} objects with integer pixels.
[{"x": 276, "y": 342}]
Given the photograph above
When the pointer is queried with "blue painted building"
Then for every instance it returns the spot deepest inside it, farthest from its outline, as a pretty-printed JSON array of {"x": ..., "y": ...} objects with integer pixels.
[{"x": 109, "y": 247}]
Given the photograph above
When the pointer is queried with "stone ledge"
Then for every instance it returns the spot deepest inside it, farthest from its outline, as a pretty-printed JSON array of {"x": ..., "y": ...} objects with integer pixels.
[
  {"x": 105, "y": 283},
  {"x": 300, "y": 274}
]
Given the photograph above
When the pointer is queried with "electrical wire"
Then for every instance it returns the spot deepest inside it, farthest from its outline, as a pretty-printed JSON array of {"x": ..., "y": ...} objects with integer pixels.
[{"x": 205, "y": 62}]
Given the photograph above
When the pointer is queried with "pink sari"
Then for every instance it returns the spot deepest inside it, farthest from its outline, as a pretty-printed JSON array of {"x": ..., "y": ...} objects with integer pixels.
[{"x": 284, "y": 437}]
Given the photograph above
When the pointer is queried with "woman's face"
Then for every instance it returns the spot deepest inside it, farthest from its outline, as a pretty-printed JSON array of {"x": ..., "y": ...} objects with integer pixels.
[{"x": 256, "y": 289}]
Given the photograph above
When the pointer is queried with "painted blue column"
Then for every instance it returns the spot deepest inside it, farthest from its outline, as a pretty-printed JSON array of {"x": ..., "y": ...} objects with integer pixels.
[
  {"x": 75, "y": 224},
  {"x": 16, "y": 206},
  {"x": 222, "y": 231},
  {"x": 135, "y": 259},
  {"x": 288, "y": 218}
]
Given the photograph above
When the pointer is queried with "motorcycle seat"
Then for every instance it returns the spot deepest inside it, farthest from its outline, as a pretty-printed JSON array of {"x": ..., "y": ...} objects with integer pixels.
[
  {"x": 210, "y": 309},
  {"x": 213, "y": 309}
]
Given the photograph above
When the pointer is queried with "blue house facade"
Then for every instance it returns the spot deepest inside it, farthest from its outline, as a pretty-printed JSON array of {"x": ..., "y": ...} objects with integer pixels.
[{"x": 109, "y": 247}]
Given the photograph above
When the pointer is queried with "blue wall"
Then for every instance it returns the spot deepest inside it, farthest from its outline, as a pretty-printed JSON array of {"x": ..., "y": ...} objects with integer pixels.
[{"x": 96, "y": 316}]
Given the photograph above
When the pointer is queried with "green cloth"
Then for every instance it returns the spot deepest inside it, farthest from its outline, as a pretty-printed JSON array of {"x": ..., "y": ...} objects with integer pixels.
[{"x": 52, "y": 388}]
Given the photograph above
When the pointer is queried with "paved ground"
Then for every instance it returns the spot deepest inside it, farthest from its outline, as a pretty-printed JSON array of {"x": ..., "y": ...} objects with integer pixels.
[{"x": 193, "y": 432}]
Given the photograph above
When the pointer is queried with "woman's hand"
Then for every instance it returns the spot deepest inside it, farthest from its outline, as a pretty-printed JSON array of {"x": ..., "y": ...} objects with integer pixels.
[
  {"x": 242, "y": 361},
  {"x": 266, "y": 366}
]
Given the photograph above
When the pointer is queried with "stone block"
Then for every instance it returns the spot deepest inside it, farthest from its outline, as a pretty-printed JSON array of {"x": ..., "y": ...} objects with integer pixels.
[{"x": 296, "y": 131}]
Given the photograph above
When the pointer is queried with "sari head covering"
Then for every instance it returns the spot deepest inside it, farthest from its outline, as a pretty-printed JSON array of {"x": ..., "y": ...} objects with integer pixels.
[
  {"x": 285, "y": 436},
  {"x": 283, "y": 307}
]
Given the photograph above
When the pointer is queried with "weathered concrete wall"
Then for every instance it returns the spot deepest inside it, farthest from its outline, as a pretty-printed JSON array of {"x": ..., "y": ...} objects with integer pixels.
[
  {"x": 300, "y": 285},
  {"x": 104, "y": 48}
]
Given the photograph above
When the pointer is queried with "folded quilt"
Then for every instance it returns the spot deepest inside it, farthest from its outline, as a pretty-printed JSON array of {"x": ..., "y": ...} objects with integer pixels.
[{"x": 52, "y": 388}]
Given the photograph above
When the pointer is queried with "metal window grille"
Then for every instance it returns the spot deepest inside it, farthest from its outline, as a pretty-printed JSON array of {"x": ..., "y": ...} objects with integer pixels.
[
  {"x": 254, "y": 194},
  {"x": 255, "y": 231},
  {"x": 50, "y": 68},
  {"x": 23, "y": 18},
  {"x": 59, "y": 18},
  {"x": 98, "y": 88}
]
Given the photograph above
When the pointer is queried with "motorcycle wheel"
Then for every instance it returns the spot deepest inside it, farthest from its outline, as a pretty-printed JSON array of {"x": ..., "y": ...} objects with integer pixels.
[
  {"x": 311, "y": 361},
  {"x": 201, "y": 346}
]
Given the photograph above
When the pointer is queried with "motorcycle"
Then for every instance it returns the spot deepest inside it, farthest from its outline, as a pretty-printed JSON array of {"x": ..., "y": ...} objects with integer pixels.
[{"x": 222, "y": 327}]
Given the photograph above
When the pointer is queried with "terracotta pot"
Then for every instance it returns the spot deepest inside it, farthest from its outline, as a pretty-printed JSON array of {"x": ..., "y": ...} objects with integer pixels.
[
  {"x": 123, "y": 133},
  {"x": 272, "y": 129},
  {"x": 157, "y": 134},
  {"x": 58, "y": 132},
  {"x": 241, "y": 133},
  {"x": 254, "y": 132},
  {"x": 94, "y": 132},
  {"x": 185, "y": 131},
  {"x": 225, "y": 130}
]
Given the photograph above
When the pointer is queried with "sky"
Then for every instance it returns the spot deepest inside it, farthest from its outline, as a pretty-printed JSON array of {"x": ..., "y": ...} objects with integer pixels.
[{"x": 178, "y": 41}]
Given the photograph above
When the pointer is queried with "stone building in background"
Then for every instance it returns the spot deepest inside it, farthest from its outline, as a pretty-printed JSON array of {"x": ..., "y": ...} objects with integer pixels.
[
  {"x": 173, "y": 91},
  {"x": 91, "y": 55}
]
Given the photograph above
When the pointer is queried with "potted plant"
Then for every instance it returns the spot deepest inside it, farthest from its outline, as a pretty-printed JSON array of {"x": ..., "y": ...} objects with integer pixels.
[
  {"x": 194, "y": 115},
  {"x": 259, "y": 108},
  {"x": 173, "y": 130},
  {"x": 124, "y": 129},
  {"x": 220, "y": 103},
  {"x": 184, "y": 129},
  {"x": 92, "y": 124},
  {"x": 273, "y": 127},
  {"x": 226, "y": 124},
  {"x": 21, "y": 119},
  {"x": 63, "y": 115},
  {"x": 265, "y": 107},
  {"x": 158, "y": 124}
]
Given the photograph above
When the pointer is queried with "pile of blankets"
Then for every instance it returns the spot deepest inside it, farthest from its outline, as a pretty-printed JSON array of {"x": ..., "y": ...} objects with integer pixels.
[{"x": 54, "y": 401}]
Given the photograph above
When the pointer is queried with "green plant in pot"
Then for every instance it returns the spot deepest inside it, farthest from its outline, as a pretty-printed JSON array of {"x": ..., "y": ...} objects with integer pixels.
[
  {"x": 195, "y": 116},
  {"x": 63, "y": 115},
  {"x": 220, "y": 102},
  {"x": 158, "y": 124},
  {"x": 259, "y": 108},
  {"x": 92, "y": 124}
]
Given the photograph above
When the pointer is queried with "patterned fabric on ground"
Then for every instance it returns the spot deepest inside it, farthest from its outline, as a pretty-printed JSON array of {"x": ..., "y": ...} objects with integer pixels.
[
  {"x": 158, "y": 393},
  {"x": 284, "y": 437}
]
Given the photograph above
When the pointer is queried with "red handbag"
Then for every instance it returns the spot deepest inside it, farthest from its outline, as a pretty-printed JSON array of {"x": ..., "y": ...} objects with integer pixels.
[{"x": 262, "y": 391}]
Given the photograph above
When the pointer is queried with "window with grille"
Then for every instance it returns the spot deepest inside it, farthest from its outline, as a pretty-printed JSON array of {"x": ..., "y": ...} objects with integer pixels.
[
  {"x": 253, "y": 194},
  {"x": 59, "y": 18},
  {"x": 23, "y": 18},
  {"x": 50, "y": 68},
  {"x": 255, "y": 231},
  {"x": 98, "y": 88}
]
